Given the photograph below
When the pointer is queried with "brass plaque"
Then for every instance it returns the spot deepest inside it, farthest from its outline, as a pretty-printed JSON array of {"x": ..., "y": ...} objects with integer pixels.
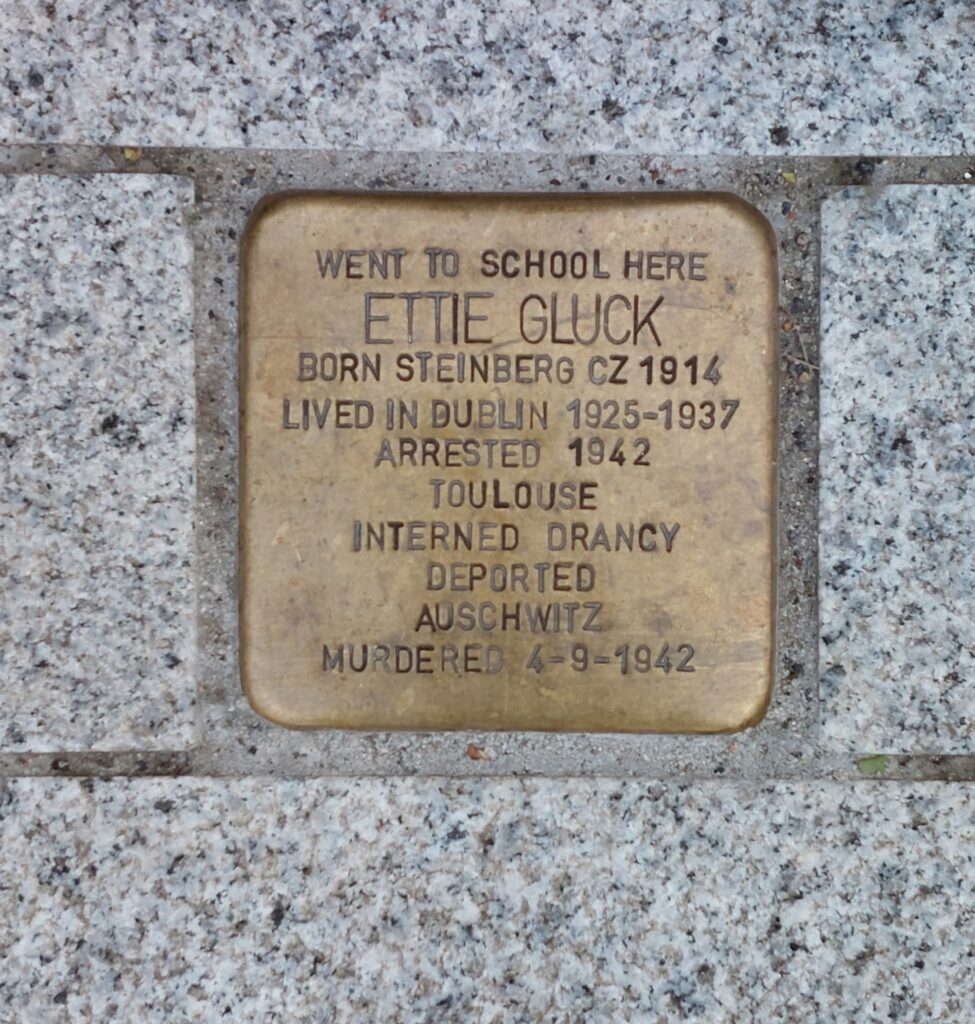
[{"x": 508, "y": 462}]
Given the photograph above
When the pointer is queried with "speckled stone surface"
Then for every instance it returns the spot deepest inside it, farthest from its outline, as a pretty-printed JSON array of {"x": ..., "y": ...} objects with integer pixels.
[
  {"x": 897, "y": 574},
  {"x": 96, "y": 494},
  {"x": 508, "y": 901},
  {"x": 163, "y": 900},
  {"x": 719, "y": 76}
]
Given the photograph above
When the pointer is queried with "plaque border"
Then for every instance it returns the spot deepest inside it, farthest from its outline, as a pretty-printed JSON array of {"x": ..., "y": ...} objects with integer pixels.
[{"x": 731, "y": 200}]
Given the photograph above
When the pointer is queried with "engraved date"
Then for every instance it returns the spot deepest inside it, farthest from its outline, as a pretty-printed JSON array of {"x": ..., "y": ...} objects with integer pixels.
[
  {"x": 594, "y": 451},
  {"x": 595, "y": 414},
  {"x": 640, "y": 659}
]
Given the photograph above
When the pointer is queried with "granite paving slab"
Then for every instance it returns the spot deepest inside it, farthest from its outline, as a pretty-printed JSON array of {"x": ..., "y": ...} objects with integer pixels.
[
  {"x": 97, "y": 593},
  {"x": 897, "y": 461},
  {"x": 503, "y": 901},
  {"x": 715, "y": 77}
]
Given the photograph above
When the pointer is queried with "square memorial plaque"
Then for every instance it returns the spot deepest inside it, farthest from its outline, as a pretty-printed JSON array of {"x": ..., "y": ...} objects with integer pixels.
[{"x": 507, "y": 462}]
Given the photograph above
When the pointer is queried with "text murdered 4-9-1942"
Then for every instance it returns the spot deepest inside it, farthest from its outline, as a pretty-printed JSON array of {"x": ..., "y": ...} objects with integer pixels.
[{"x": 507, "y": 462}]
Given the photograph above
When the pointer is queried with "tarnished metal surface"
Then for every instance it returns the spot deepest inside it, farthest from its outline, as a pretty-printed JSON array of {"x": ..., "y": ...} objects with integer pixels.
[{"x": 508, "y": 462}]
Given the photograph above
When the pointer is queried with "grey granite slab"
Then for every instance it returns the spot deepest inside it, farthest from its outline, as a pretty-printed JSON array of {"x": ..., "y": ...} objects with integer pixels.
[
  {"x": 97, "y": 633},
  {"x": 725, "y": 76},
  {"x": 897, "y": 464},
  {"x": 163, "y": 900}
]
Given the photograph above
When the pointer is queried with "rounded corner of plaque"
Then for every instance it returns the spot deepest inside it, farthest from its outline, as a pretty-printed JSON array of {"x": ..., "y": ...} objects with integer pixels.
[
  {"x": 261, "y": 212},
  {"x": 750, "y": 214},
  {"x": 753, "y": 713},
  {"x": 262, "y": 704}
]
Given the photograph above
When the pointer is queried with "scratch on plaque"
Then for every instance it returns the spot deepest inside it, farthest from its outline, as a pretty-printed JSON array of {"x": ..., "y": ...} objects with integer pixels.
[
  {"x": 406, "y": 701},
  {"x": 279, "y": 537}
]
